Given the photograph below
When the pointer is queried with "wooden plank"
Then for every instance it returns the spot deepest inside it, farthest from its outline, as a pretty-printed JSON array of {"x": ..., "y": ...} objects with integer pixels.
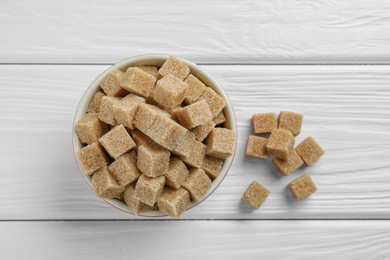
[
  {"x": 220, "y": 31},
  {"x": 346, "y": 109},
  {"x": 196, "y": 239}
]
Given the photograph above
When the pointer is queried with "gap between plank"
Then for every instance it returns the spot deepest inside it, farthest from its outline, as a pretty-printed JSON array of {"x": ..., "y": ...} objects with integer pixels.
[
  {"x": 184, "y": 220},
  {"x": 207, "y": 64}
]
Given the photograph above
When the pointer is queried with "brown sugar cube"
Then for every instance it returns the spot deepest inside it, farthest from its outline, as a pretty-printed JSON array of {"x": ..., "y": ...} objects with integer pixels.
[
  {"x": 280, "y": 143},
  {"x": 202, "y": 131},
  {"x": 124, "y": 169},
  {"x": 215, "y": 101},
  {"x": 195, "y": 89},
  {"x": 169, "y": 134},
  {"x": 170, "y": 91},
  {"x": 89, "y": 128},
  {"x": 166, "y": 132},
  {"x": 257, "y": 147},
  {"x": 152, "y": 70},
  {"x": 264, "y": 123},
  {"x": 91, "y": 158},
  {"x": 220, "y": 118},
  {"x": 176, "y": 174},
  {"x": 161, "y": 129},
  {"x": 255, "y": 195},
  {"x": 194, "y": 115},
  {"x": 221, "y": 143},
  {"x": 212, "y": 166},
  {"x": 197, "y": 184},
  {"x": 124, "y": 111},
  {"x": 145, "y": 117},
  {"x": 147, "y": 189},
  {"x": 134, "y": 204},
  {"x": 138, "y": 82},
  {"x": 94, "y": 105},
  {"x": 302, "y": 187},
  {"x": 153, "y": 160},
  {"x": 104, "y": 184},
  {"x": 309, "y": 150},
  {"x": 173, "y": 202},
  {"x": 290, "y": 121},
  {"x": 117, "y": 141},
  {"x": 198, "y": 151},
  {"x": 292, "y": 163},
  {"x": 174, "y": 67},
  {"x": 106, "y": 113},
  {"x": 184, "y": 144},
  {"x": 111, "y": 83}
]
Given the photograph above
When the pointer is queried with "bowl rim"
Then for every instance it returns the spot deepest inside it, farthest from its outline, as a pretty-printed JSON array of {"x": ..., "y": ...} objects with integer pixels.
[{"x": 143, "y": 60}]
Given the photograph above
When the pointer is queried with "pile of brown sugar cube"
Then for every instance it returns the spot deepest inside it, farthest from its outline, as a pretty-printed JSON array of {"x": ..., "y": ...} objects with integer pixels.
[
  {"x": 286, "y": 158},
  {"x": 154, "y": 138}
]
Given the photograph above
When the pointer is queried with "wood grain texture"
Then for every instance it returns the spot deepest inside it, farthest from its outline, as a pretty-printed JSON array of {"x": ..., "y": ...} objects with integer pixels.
[
  {"x": 346, "y": 110},
  {"x": 194, "y": 240},
  {"x": 250, "y": 31}
]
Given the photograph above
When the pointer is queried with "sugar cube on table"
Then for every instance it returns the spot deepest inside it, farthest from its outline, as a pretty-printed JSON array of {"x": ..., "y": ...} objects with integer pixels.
[
  {"x": 221, "y": 143},
  {"x": 212, "y": 166},
  {"x": 195, "y": 89},
  {"x": 170, "y": 91},
  {"x": 173, "y": 66},
  {"x": 106, "y": 111},
  {"x": 147, "y": 189},
  {"x": 257, "y": 147},
  {"x": 197, "y": 184},
  {"x": 153, "y": 160},
  {"x": 125, "y": 109},
  {"x": 111, "y": 83},
  {"x": 289, "y": 165},
  {"x": 302, "y": 187},
  {"x": 220, "y": 118},
  {"x": 124, "y": 169},
  {"x": 152, "y": 70},
  {"x": 92, "y": 157},
  {"x": 105, "y": 185},
  {"x": 94, "y": 105},
  {"x": 203, "y": 130},
  {"x": 173, "y": 202},
  {"x": 196, "y": 157},
  {"x": 117, "y": 141},
  {"x": 280, "y": 143},
  {"x": 176, "y": 174},
  {"x": 290, "y": 121},
  {"x": 89, "y": 128},
  {"x": 264, "y": 123},
  {"x": 194, "y": 115},
  {"x": 309, "y": 150},
  {"x": 214, "y": 100},
  {"x": 132, "y": 202},
  {"x": 138, "y": 82},
  {"x": 256, "y": 194}
]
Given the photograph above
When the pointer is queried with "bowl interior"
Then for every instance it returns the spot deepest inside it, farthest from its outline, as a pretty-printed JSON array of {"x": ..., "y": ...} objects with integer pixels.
[{"x": 156, "y": 60}]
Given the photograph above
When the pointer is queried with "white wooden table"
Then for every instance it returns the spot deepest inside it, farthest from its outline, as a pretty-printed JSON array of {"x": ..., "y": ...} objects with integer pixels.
[{"x": 328, "y": 59}]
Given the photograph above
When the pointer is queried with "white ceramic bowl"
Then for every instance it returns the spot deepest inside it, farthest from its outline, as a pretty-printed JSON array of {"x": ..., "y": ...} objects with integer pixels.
[{"x": 157, "y": 60}]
